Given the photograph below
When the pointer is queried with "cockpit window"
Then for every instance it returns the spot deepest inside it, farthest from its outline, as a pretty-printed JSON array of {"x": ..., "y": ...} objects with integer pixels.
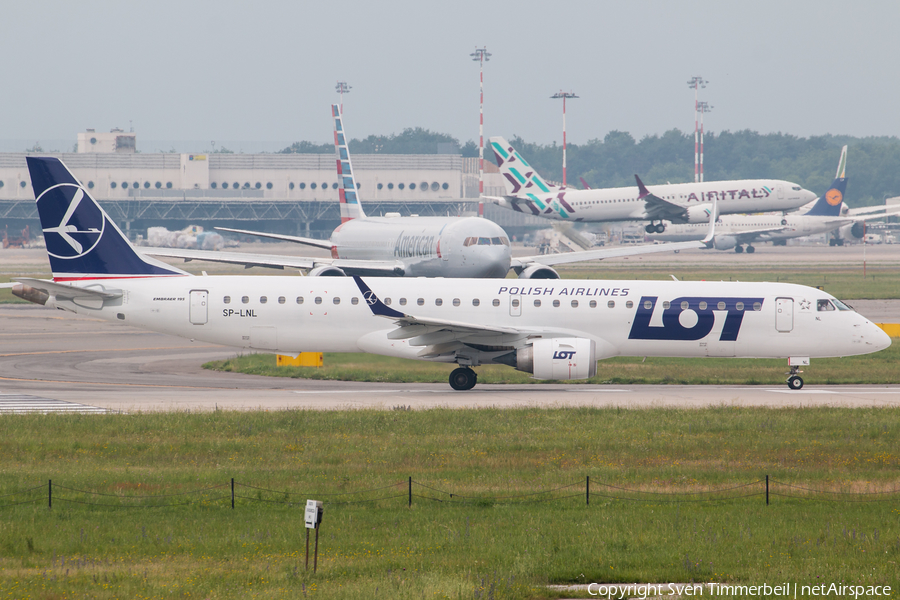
[
  {"x": 841, "y": 305},
  {"x": 823, "y": 305},
  {"x": 504, "y": 240},
  {"x": 483, "y": 241},
  {"x": 796, "y": 188}
]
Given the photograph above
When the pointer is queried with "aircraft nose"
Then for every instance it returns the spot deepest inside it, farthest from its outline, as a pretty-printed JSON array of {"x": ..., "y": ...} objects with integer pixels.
[
  {"x": 878, "y": 338},
  {"x": 809, "y": 196}
]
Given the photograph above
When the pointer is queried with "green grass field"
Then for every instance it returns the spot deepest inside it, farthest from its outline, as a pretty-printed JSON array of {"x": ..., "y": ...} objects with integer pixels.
[
  {"x": 880, "y": 367},
  {"x": 157, "y": 536}
]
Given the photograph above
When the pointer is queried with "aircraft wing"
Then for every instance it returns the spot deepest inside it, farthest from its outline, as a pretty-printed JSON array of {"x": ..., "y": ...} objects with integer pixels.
[
  {"x": 656, "y": 207},
  {"x": 285, "y": 238},
  {"x": 877, "y": 211},
  {"x": 601, "y": 253},
  {"x": 441, "y": 338},
  {"x": 272, "y": 261}
]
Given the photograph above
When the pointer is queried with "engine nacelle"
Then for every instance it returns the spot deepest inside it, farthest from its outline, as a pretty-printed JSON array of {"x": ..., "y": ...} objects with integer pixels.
[
  {"x": 698, "y": 213},
  {"x": 538, "y": 272},
  {"x": 556, "y": 358},
  {"x": 724, "y": 242},
  {"x": 326, "y": 271},
  {"x": 857, "y": 231}
]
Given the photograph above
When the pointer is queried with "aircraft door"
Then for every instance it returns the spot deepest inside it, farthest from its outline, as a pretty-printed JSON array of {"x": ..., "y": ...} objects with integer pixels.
[
  {"x": 780, "y": 189},
  {"x": 515, "y": 305},
  {"x": 199, "y": 307},
  {"x": 784, "y": 314}
]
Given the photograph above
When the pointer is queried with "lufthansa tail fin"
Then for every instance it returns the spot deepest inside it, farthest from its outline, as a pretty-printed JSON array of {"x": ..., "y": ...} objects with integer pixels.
[
  {"x": 82, "y": 241},
  {"x": 829, "y": 204},
  {"x": 520, "y": 178},
  {"x": 350, "y": 206}
]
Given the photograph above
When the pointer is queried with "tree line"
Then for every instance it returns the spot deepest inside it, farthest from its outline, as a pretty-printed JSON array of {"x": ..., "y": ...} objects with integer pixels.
[{"x": 873, "y": 163}]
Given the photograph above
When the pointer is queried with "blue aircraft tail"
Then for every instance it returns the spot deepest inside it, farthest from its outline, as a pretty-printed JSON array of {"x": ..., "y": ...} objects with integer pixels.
[
  {"x": 82, "y": 241},
  {"x": 829, "y": 204}
]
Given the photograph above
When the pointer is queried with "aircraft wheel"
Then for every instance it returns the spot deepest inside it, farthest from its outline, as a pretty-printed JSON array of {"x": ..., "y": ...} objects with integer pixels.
[
  {"x": 738, "y": 249},
  {"x": 463, "y": 378},
  {"x": 651, "y": 228},
  {"x": 750, "y": 249},
  {"x": 660, "y": 228},
  {"x": 794, "y": 382}
]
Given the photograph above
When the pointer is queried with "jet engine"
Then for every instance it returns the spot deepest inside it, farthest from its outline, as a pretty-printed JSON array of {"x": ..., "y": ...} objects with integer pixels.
[
  {"x": 724, "y": 242},
  {"x": 555, "y": 358},
  {"x": 326, "y": 271},
  {"x": 538, "y": 272},
  {"x": 698, "y": 213},
  {"x": 854, "y": 231}
]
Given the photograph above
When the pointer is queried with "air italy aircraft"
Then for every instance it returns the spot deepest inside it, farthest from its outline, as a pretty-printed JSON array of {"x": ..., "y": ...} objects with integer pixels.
[
  {"x": 407, "y": 246},
  {"x": 527, "y": 192},
  {"x": 554, "y": 329},
  {"x": 828, "y": 213}
]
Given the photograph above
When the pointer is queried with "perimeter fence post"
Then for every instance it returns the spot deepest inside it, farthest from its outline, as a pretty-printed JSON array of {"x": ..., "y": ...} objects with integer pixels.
[
  {"x": 587, "y": 490},
  {"x": 49, "y": 493},
  {"x": 767, "y": 490},
  {"x": 232, "y": 493},
  {"x": 410, "y": 492}
]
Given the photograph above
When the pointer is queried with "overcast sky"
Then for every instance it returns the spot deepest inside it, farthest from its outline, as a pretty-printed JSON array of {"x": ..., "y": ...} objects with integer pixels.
[{"x": 266, "y": 70}]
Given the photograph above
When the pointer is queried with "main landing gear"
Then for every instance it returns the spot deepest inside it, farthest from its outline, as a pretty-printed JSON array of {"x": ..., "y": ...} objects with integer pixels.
[
  {"x": 750, "y": 249},
  {"x": 463, "y": 378},
  {"x": 655, "y": 228},
  {"x": 795, "y": 382}
]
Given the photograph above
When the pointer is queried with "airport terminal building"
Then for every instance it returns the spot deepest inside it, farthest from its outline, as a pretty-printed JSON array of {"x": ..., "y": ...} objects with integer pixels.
[{"x": 290, "y": 193}]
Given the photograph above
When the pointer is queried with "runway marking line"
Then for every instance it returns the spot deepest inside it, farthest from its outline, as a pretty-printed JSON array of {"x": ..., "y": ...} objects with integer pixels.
[{"x": 102, "y": 350}]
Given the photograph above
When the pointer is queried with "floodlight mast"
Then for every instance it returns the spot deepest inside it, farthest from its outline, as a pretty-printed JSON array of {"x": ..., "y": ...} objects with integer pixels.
[
  {"x": 481, "y": 56},
  {"x": 702, "y": 107},
  {"x": 696, "y": 83},
  {"x": 342, "y": 88},
  {"x": 564, "y": 95}
]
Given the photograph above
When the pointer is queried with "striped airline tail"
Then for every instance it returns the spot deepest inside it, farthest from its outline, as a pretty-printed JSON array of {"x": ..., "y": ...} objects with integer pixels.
[{"x": 350, "y": 206}]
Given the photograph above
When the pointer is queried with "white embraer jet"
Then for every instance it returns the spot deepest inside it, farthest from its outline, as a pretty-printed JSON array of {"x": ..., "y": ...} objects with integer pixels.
[
  {"x": 828, "y": 213},
  {"x": 407, "y": 246},
  {"x": 527, "y": 192},
  {"x": 555, "y": 330}
]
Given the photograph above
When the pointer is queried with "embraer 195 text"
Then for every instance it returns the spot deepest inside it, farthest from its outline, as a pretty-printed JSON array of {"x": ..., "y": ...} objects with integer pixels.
[{"x": 553, "y": 329}]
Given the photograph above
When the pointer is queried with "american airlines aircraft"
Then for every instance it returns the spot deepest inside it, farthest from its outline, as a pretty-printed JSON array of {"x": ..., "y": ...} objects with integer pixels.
[
  {"x": 554, "y": 330},
  {"x": 527, "y": 192},
  {"x": 407, "y": 246},
  {"x": 828, "y": 213}
]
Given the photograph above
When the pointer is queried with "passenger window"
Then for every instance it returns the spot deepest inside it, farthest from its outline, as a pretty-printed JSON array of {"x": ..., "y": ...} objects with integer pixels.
[
  {"x": 318, "y": 299},
  {"x": 456, "y": 302},
  {"x": 227, "y": 299},
  {"x": 438, "y": 302},
  {"x": 593, "y": 304},
  {"x": 739, "y": 306},
  {"x": 629, "y": 304},
  {"x": 245, "y": 299},
  {"x": 721, "y": 305},
  {"x": 537, "y": 303},
  {"x": 757, "y": 306},
  {"x": 387, "y": 301},
  {"x": 823, "y": 305},
  {"x": 647, "y": 305},
  {"x": 495, "y": 302},
  {"x": 354, "y": 300},
  {"x": 421, "y": 301},
  {"x": 574, "y": 303},
  {"x": 263, "y": 299},
  {"x": 515, "y": 303},
  {"x": 299, "y": 299},
  {"x": 703, "y": 305},
  {"x": 402, "y": 301},
  {"x": 611, "y": 304},
  {"x": 281, "y": 300},
  {"x": 337, "y": 300},
  {"x": 475, "y": 301},
  {"x": 556, "y": 304},
  {"x": 666, "y": 305},
  {"x": 685, "y": 305}
]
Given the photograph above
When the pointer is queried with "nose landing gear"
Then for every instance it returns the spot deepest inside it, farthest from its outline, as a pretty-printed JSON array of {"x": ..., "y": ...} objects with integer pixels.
[
  {"x": 463, "y": 378},
  {"x": 795, "y": 382}
]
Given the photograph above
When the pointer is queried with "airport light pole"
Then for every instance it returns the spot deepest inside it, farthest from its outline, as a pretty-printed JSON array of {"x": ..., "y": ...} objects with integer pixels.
[
  {"x": 564, "y": 95},
  {"x": 481, "y": 56},
  {"x": 702, "y": 107},
  {"x": 342, "y": 88},
  {"x": 696, "y": 83}
]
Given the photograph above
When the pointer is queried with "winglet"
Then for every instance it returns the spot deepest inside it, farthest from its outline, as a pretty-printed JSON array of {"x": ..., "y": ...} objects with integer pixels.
[
  {"x": 713, "y": 217},
  {"x": 378, "y": 308},
  {"x": 643, "y": 192}
]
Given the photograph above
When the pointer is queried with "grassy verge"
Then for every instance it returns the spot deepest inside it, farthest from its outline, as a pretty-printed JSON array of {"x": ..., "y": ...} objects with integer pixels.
[
  {"x": 878, "y": 368},
  {"x": 492, "y": 546}
]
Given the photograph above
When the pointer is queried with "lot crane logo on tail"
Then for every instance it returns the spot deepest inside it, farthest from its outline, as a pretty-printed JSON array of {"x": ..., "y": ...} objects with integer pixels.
[{"x": 81, "y": 227}]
